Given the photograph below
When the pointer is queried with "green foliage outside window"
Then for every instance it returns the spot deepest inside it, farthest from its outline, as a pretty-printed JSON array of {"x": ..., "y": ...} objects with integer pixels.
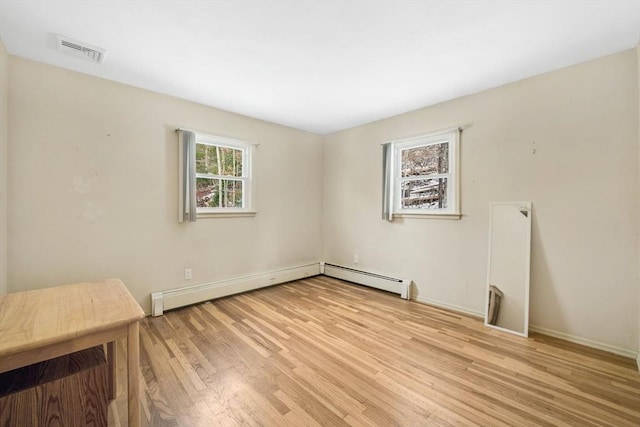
[{"x": 216, "y": 168}]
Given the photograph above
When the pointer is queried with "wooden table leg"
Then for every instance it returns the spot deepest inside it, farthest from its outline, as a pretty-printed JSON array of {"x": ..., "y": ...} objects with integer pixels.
[
  {"x": 133, "y": 375},
  {"x": 111, "y": 369}
]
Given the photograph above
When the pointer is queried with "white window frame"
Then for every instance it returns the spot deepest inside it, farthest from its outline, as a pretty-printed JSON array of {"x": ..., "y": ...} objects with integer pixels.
[
  {"x": 188, "y": 176},
  {"x": 453, "y": 176}
]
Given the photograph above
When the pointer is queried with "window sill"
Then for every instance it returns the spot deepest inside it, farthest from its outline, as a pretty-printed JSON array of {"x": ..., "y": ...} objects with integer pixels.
[
  {"x": 428, "y": 215},
  {"x": 203, "y": 215}
]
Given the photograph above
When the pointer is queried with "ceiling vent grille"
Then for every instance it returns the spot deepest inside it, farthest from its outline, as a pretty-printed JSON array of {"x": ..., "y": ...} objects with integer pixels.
[{"x": 80, "y": 49}]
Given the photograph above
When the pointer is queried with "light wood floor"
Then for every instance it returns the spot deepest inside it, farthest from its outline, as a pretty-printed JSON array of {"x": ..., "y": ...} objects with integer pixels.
[{"x": 324, "y": 352}]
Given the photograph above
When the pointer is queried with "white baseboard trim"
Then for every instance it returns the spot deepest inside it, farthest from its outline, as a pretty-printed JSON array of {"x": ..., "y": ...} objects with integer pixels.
[
  {"x": 585, "y": 341},
  {"x": 561, "y": 335},
  {"x": 451, "y": 307},
  {"x": 180, "y": 297}
]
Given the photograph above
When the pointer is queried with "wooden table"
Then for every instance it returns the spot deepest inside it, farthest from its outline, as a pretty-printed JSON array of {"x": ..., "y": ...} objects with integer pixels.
[{"x": 43, "y": 324}]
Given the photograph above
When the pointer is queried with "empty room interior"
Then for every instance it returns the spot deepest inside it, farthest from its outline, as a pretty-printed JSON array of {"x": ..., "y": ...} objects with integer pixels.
[{"x": 364, "y": 213}]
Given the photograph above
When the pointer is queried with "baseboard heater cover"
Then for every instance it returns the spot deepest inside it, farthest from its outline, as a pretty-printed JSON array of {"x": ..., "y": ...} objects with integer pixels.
[
  {"x": 373, "y": 280},
  {"x": 180, "y": 297}
]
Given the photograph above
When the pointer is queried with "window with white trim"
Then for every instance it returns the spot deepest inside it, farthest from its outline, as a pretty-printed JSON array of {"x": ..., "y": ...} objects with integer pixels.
[
  {"x": 215, "y": 177},
  {"x": 223, "y": 174},
  {"x": 424, "y": 175}
]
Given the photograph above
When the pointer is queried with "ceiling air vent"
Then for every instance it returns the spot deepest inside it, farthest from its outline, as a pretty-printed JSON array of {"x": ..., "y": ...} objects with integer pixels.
[{"x": 80, "y": 49}]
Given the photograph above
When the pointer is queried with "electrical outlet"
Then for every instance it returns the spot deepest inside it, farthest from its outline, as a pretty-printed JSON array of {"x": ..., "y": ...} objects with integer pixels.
[
  {"x": 356, "y": 258},
  {"x": 188, "y": 274}
]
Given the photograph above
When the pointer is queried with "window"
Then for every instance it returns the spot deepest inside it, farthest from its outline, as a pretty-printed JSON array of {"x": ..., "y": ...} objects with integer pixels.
[
  {"x": 215, "y": 176},
  {"x": 221, "y": 178},
  {"x": 422, "y": 176}
]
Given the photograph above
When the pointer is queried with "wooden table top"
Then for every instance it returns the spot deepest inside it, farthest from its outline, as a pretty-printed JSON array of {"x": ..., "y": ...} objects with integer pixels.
[{"x": 33, "y": 319}]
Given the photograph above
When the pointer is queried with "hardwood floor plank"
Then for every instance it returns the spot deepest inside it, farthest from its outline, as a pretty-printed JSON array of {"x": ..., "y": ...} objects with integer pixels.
[
  {"x": 296, "y": 415},
  {"x": 184, "y": 368},
  {"x": 322, "y": 352},
  {"x": 362, "y": 387},
  {"x": 306, "y": 399}
]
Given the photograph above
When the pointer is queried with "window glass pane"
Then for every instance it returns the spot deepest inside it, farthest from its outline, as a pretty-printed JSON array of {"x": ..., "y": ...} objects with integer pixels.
[
  {"x": 216, "y": 160},
  {"x": 424, "y": 194},
  {"x": 217, "y": 193},
  {"x": 231, "y": 194},
  {"x": 207, "y": 195},
  {"x": 207, "y": 159},
  {"x": 425, "y": 160},
  {"x": 230, "y": 161}
]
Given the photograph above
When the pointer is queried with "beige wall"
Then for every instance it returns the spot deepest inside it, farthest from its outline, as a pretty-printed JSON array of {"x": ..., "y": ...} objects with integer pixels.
[
  {"x": 93, "y": 175},
  {"x": 565, "y": 140},
  {"x": 93, "y": 193},
  {"x": 4, "y": 124}
]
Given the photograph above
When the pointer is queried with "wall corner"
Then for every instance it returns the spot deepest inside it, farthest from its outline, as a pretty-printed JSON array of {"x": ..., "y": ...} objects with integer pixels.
[
  {"x": 638, "y": 201},
  {"x": 4, "y": 136}
]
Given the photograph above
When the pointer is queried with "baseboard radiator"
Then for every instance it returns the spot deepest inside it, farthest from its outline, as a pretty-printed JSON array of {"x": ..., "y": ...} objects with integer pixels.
[
  {"x": 373, "y": 280},
  {"x": 180, "y": 297}
]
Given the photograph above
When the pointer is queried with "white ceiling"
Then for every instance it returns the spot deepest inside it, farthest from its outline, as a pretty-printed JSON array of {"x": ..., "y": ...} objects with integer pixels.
[{"x": 321, "y": 66}]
